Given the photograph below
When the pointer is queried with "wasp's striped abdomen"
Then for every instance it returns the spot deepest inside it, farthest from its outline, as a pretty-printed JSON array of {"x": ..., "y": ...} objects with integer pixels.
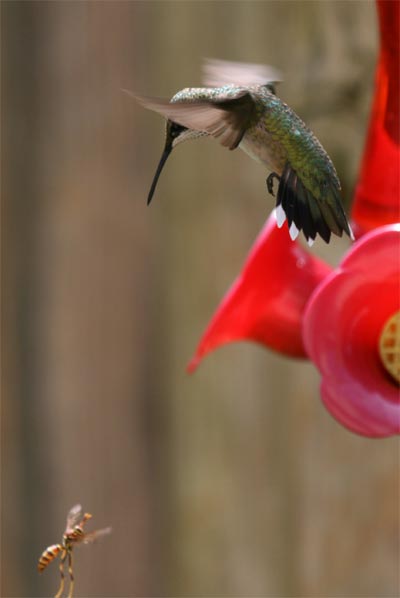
[{"x": 49, "y": 555}]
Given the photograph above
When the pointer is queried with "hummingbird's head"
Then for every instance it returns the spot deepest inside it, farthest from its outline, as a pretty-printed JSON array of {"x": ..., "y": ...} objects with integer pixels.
[{"x": 174, "y": 135}]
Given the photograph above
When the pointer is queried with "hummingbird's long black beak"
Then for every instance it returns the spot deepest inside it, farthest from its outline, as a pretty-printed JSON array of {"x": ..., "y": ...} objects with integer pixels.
[{"x": 165, "y": 154}]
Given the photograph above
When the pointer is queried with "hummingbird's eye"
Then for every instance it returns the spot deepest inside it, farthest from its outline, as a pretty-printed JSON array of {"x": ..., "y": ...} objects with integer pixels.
[{"x": 176, "y": 130}]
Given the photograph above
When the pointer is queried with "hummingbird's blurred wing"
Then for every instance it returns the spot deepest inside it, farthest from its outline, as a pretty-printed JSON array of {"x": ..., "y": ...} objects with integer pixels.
[
  {"x": 308, "y": 213},
  {"x": 225, "y": 119},
  {"x": 217, "y": 73}
]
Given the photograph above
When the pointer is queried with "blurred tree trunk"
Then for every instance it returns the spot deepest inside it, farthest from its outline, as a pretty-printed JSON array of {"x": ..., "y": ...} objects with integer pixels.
[{"x": 80, "y": 399}]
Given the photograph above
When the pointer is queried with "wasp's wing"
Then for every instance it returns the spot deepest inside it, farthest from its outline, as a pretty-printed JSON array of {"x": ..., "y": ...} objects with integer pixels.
[
  {"x": 93, "y": 536},
  {"x": 73, "y": 517},
  {"x": 217, "y": 73},
  {"x": 225, "y": 119}
]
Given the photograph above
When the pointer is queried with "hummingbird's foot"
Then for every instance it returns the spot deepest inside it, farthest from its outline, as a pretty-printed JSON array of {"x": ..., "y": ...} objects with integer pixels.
[{"x": 270, "y": 182}]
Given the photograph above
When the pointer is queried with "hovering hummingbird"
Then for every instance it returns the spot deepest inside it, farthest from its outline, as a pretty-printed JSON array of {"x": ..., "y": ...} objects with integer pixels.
[{"x": 239, "y": 106}]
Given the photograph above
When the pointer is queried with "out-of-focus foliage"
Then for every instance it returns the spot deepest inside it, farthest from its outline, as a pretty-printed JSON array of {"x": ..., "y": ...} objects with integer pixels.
[{"x": 234, "y": 481}]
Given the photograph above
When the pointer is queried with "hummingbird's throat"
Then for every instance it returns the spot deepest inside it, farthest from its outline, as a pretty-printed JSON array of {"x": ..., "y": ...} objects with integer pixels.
[{"x": 389, "y": 346}]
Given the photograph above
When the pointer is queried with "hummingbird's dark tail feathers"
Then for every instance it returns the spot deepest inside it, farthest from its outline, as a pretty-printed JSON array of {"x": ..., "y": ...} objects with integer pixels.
[{"x": 307, "y": 213}]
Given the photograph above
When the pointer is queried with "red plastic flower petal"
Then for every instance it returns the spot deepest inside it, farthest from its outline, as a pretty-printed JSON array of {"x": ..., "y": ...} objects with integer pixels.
[
  {"x": 342, "y": 327},
  {"x": 378, "y": 191},
  {"x": 266, "y": 302}
]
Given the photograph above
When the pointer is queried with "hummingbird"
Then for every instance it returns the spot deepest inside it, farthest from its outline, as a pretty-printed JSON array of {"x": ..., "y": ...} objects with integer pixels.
[{"x": 238, "y": 106}]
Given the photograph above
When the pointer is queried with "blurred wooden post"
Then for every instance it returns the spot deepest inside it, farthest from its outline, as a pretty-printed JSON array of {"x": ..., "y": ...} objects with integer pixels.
[{"x": 79, "y": 398}]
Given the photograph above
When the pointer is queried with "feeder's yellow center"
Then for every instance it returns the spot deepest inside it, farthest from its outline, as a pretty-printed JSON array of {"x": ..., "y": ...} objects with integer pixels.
[{"x": 389, "y": 346}]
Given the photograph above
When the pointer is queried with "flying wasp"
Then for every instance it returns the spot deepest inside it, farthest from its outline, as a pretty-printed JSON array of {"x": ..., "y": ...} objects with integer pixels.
[{"x": 73, "y": 534}]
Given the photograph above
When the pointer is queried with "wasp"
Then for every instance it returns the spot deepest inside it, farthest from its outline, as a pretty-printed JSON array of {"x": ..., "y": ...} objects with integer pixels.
[{"x": 73, "y": 534}]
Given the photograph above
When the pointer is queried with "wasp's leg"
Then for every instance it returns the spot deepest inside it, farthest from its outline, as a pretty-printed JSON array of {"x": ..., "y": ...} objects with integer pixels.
[
  {"x": 71, "y": 575},
  {"x": 270, "y": 182},
  {"x": 62, "y": 561}
]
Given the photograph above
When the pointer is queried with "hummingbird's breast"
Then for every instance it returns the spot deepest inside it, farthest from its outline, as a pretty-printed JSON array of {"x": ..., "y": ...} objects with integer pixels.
[{"x": 259, "y": 144}]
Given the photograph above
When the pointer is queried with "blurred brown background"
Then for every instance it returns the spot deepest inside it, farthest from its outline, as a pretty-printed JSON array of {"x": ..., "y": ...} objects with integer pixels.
[{"x": 234, "y": 481}]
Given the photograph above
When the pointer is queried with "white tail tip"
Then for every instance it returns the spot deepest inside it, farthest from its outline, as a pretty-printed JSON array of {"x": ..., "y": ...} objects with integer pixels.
[
  {"x": 293, "y": 231},
  {"x": 280, "y": 216}
]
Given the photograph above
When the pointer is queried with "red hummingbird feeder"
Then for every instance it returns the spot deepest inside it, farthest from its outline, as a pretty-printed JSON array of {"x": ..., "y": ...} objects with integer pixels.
[{"x": 346, "y": 320}]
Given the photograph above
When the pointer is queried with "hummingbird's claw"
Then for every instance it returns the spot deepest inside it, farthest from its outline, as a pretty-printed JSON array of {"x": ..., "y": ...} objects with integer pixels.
[{"x": 270, "y": 182}]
